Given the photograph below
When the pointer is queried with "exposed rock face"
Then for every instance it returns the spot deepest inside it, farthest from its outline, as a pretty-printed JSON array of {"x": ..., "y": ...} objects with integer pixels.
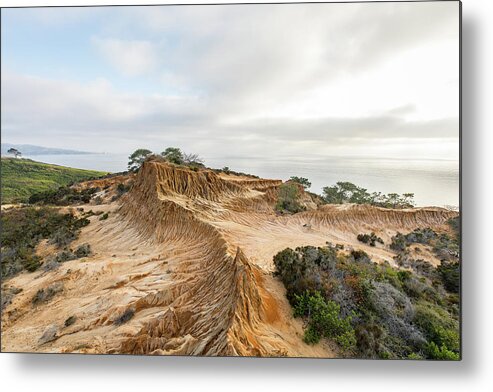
[
  {"x": 49, "y": 334},
  {"x": 351, "y": 216},
  {"x": 182, "y": 267},
  {"x": 215, "y": 306}
]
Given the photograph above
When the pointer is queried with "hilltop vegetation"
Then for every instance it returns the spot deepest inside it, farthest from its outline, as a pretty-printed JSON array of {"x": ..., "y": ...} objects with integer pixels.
[
  {"x": 23, "y": 229},
  {"x": 288, "y": 199},
  {"x": 375, "y": 310},
  {"x": 22, "y": 178},
  {"x": 347, "y": 192},
  {"x": 171, "y": 155}
]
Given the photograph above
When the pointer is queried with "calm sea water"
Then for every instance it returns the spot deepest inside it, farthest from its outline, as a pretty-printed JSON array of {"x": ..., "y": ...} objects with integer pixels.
[{"x": 434, "y": 182}]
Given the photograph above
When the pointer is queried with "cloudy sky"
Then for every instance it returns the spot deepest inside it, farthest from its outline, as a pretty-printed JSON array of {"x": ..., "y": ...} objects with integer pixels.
[{"x": 279, "y": 80}]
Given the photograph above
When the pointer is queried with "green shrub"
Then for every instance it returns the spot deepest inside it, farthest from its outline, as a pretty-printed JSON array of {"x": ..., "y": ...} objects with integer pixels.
[
  {"x": 373, "y": 310},
  {"x": 287, "y": 200},
  {"x": 446, "y": 337},
  {"x": 63, "y": 196},
  {"x": 370, "y": 239},
  {"x": 360, "y": 256},
  {"x": 300, "y": 268},
  {"x": 173, "y": 155},
  {"x": 311, "y": 336},
  {"x": 441, "y": 352},
  {"x": 227, "y": 170},
  {"x": 369, "y": 337},
  {"x": 384, "y": 355},
  {"x": 444, "y": 247},
  {"x": 7, "y": 295},
  {"x": 441, "y": 330},
  {"x": 302, "y": 181},
  {"x": 63, "y": 237},
  {"x": 415, "y": 356},
  {"x": 64, "y": 256},
  {"x": 24, "y": 228},
  {"x": 450, "y": 274},
  {"x": 54, "y": 262},
  {"x": 70, "y": 321},
  {"x": 404, "y": 275},
  {"x": 30, "y": 262},
  {"x": 398, "y": 243},
  {"x": 104, "y": 216},
  {"x": 122, "y": 188},
  {"x": 454, "y": 223},
  {"x": 46, "y": 294},
  {"x": 83, "y": 250},
  {"x": 126, "y": 316},
  {"x": 347, "y": 192},
  {"x": 429, "y": 316},
  {"x": 324, "y": 320}
]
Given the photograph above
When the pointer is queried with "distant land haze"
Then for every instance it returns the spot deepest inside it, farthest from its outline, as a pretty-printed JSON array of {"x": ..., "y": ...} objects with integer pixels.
[
  {"x": 434, "y": 182},
  {"x": 30, "y": 149}
]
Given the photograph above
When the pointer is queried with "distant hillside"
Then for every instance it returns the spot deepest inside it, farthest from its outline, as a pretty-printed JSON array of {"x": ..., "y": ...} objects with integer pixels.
[
  {"x": 29, "y": 149},
  {"x": 23, "y": 177}
]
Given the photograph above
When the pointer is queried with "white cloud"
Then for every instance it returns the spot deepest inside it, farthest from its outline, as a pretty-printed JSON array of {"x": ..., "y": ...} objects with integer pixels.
[
  {"x": 97, "y": 117},
  {"x": 260, "y": 56},
  {"x": 129, "y": 57},
  {"x": 285, "y": 80},
  {"x": 40, "y": 109}
]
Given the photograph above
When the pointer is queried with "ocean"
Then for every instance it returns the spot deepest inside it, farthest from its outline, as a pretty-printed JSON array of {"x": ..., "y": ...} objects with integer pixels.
[{"x": 433, "y": 182}]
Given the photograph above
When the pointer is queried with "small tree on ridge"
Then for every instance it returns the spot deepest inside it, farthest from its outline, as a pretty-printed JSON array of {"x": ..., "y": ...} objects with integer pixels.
[{"x": 137, "y": 158}]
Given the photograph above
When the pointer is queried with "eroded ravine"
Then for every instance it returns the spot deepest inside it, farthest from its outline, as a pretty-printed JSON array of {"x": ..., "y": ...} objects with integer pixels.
[{"x": 189, "y": 256}]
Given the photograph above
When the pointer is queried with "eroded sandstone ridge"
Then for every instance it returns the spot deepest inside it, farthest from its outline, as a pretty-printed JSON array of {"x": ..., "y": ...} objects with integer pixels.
[{"x": 183, "y": 265}]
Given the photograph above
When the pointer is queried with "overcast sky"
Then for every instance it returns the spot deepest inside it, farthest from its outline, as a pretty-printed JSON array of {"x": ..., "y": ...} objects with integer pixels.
[{"x": 279, "y": 80}]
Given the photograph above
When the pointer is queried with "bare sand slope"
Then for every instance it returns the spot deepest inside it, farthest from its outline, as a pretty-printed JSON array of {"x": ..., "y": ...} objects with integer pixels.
[{"x": 183, "y": 265}]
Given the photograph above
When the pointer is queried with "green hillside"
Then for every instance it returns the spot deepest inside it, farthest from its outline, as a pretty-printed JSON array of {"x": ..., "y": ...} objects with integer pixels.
[{"x": 23, "y": 177}]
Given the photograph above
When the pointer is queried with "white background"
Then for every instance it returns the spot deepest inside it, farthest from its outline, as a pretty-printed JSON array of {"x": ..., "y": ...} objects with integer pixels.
[{"x": 87, "y": 373}]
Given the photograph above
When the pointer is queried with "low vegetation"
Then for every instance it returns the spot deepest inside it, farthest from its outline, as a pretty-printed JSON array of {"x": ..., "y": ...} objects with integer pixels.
[
  {"x": 46, "y": 294},
  {"x": 22, "y": 178},
  {"x": 419, "y": 236},
  {"x": 137, "y": 158},
  {"x": 70, "y": 321},
  {"x": 302, "y": 181},
  {"x": 370, "y": 239},
  {"x": 227, "y": 170},
  {"x": 54, "y": 261},
  {"x": 450, "y": 274},
  {"x": 7, "y": 294},
  {"x": 64, "y": 196},
  {"x": 121, "y": 189},
  {"x": 23, "y": 229},
  {"x": 347, "y": 192},
  {"x": 171, "y": 154},
  {"x": 288, "y": 199},
  {"x": 371, "y": 310},
  {"x": 445, "y": 247},
  {"x": 324, "y": 320},
  {"x": 126, "y": 316}
]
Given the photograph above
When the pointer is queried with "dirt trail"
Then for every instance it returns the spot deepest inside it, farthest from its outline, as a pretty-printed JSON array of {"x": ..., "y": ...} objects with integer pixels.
[{"x": 183, "y": 265}]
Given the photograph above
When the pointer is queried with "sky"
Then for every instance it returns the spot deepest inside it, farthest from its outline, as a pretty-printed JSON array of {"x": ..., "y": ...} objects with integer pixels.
[{"x": 295, "y": 81}]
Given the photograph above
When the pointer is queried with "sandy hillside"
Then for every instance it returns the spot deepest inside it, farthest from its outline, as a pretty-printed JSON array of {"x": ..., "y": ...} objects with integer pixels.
[{"x": 183, "y": 265}]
